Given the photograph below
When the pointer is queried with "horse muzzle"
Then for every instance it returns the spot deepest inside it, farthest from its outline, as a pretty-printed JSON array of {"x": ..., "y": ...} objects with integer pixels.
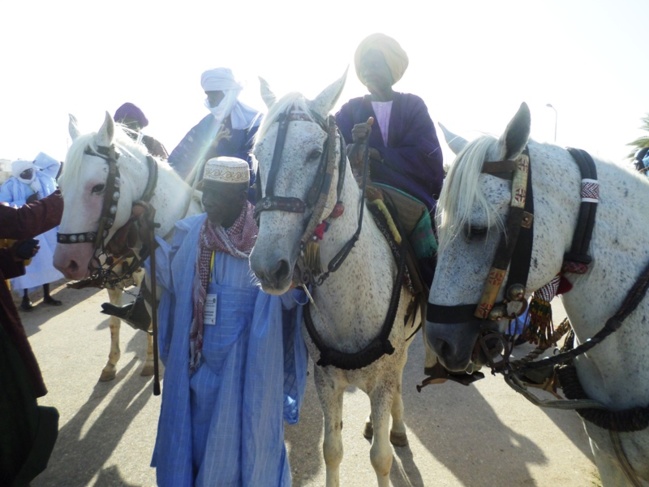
[
  {"x": 464, "y": 346},
  {"x": 275, "y": 274}
]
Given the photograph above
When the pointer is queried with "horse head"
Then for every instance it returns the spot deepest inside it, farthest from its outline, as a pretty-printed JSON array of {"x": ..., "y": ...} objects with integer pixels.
[
  {"x": 472, "y": 215},
  {"x": 103, "y": 172},
  {"x": 299, "y": 163}
]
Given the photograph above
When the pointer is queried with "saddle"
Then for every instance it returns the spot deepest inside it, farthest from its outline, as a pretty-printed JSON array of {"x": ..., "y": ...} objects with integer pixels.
[{"x": 402, "y": 217}]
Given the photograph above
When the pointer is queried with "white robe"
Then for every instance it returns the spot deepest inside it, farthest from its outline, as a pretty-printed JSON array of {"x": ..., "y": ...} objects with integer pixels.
[{"x": 41, "y": 269}]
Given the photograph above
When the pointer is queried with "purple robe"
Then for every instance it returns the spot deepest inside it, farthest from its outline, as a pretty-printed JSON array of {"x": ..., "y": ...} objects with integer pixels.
[{"x": 412, "y": 159}]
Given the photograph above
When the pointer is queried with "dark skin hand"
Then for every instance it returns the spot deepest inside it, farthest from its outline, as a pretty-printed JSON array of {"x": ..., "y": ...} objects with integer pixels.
[{"x": 25, "y": 249}]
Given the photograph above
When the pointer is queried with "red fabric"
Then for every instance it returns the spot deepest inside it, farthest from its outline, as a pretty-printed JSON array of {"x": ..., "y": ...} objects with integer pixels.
[
  {"x": 237, "y": 241},
  {"x": 564, "y": 285}
]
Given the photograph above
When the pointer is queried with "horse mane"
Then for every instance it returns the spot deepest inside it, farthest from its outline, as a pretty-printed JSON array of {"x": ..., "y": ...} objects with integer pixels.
[
  {"x": 294, "y": 101},
  {"x": 460, "y": 192},
  {"x": 123, "y": 143}
]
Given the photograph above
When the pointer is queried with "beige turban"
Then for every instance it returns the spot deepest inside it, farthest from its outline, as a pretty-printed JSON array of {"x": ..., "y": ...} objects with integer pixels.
[{"x": 395, "y": 57}]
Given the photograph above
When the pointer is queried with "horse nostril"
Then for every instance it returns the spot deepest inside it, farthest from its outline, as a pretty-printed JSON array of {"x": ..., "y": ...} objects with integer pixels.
[
  {"x": 282, "y": 270},
  {"x": 73, "y": 266}
]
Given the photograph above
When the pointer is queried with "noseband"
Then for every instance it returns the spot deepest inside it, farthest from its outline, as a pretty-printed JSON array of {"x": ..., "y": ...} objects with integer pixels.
[
  {"x": 514, "y": 251},
  {"x": 318, "y": 192},
  {"x": 108, "y": 213}
]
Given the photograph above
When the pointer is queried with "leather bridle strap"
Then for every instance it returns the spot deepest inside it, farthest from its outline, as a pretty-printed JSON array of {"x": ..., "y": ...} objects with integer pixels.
[
  {"x": 508, "y": 239},
  {"x": 587, "y": 209},
  {"x": 109, "y": 205},
  {"x": 514, "y": 246}
]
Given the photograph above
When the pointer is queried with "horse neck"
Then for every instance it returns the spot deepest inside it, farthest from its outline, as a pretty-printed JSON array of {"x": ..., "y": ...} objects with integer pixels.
[
  {"x": 172, "y": 200},
  {"x": 610, "y": 372},
  {"x": 370, "y": 263}
]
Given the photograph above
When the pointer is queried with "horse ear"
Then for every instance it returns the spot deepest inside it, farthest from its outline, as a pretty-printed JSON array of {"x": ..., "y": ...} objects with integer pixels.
[
  {"x": 106, "y": 132},
  {"x": 73, "y": 127},
  {"x": 455, "y": 142},
  {"x": 266, "y": 94},
  {"x": 517, "y": 133},
  {"x": 326, "y": 100}
]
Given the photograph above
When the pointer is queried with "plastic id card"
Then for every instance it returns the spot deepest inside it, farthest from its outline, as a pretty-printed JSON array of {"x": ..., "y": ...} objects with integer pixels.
[{"x": 209, "y": 315}]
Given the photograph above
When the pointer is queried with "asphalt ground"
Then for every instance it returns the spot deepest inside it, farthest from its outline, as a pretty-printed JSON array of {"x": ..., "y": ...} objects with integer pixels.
[{"x": 485, "y": 434}]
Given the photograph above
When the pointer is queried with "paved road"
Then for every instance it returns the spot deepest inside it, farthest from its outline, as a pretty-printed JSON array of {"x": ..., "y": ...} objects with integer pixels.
[{"x": 482, "y": 435}]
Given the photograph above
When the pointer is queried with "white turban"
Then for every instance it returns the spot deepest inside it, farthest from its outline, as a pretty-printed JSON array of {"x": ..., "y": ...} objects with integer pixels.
[
  {"x": 219, "y": 79},
  {"x": 241, "y": 115},
  {"x": 17, "y": 167}
]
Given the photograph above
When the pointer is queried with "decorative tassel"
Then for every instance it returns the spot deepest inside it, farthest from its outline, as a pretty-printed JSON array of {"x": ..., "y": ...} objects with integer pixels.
[
  {"x": 539, "y": 329},
  {"x": 312, "y": 257}
]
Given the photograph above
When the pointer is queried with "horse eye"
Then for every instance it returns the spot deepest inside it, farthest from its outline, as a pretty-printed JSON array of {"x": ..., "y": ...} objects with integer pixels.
[
  {"x": 475, "y": 233},
  {"x": 99, "y": 188},
  {"x": 314, "y": 155}
]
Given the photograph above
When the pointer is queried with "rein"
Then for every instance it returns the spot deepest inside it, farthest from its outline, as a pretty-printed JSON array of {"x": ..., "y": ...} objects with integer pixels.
[
  {"x": 308, "y": 266},
  {"x": 103, "y": 275},
  {"x": 577, "y": 261}
]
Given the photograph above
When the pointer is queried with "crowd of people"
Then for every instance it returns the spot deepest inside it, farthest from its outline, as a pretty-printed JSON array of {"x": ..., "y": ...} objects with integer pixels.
[{"x": 219, "y": 333}]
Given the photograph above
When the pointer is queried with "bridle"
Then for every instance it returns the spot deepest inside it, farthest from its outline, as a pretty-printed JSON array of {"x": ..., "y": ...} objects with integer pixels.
[
  {"x": 308, "y": 270},
  {"x": 514, "y": 252},
  {"x": 103, "y": 263},
  {"x": 576, "y": 260},
  {"x": 317, "y": 194}
]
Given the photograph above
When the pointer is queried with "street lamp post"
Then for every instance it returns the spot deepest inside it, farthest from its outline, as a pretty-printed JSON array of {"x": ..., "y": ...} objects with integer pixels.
[{"x": 549, "y": 105}]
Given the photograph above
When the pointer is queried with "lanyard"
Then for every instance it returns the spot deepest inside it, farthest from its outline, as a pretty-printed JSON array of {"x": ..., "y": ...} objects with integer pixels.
[{"x": 209, "y": 277}]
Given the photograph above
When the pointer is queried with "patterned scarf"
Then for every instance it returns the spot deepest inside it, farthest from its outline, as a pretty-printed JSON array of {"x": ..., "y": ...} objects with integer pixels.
[{"x": 236, "y": 241}]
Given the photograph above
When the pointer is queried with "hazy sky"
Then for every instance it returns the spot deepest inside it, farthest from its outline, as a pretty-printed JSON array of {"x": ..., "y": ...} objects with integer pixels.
[{"x": 473, "y": 62}]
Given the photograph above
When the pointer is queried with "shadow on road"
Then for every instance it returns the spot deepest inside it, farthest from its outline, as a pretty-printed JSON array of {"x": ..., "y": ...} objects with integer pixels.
[{"x": 81, "y": 451}]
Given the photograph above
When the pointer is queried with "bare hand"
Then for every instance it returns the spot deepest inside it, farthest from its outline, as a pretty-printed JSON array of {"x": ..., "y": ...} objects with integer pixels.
[
  {"x": 361, "y": 131},
  {"x": 374, "y": 154},
  {"x": 32, "y": 198}
]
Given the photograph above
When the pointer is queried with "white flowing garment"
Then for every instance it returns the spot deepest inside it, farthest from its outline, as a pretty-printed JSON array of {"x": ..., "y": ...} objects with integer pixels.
[{"x": 15, "y": 193}]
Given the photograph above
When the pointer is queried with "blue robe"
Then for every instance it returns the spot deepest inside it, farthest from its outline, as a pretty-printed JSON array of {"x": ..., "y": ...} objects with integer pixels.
[
  {"x": 412, "y": 158},
  {"x": 223, "y": 425}
]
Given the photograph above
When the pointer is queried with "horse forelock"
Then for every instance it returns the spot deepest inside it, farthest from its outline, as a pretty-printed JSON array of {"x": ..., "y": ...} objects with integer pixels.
[
  {"x": 125, "y": 146},
  {"x": 461, "y": 194},
  {"x": 291, "y": 101}
]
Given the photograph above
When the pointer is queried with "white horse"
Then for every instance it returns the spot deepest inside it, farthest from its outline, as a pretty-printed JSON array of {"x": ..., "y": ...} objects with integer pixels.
[
  {"x": 83, "y": 184},
  {"x": 475, "y": 206},
  {"x": 350, "y": 303}
]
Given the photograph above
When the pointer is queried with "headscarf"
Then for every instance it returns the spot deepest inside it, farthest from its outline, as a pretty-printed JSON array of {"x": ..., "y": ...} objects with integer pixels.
[
  {"x": 20, "y": 165},
  {"x": 395, "y": 57},
  {"x": 221, "y": 79},
  {"x": 236, "y": 241},
  {"x": 129, "y": 110}
]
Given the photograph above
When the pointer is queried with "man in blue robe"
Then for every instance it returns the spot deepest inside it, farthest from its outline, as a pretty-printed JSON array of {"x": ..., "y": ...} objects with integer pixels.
[
  {"x": 404, "y": 152},
  {"x": 235, "y": 362},
  {"x": 227, "y": 116}
]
